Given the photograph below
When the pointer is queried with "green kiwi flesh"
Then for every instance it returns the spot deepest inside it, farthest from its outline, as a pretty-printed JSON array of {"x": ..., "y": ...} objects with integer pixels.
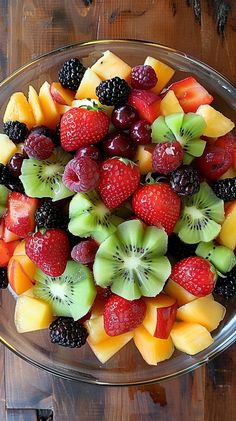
[
  {"x": 200, "y": 216},
  {"x": 131, "y": 261},
  {"x": 4, "y": 192},
  {"x": 220, "y": 256},
  {"x": 90, "y": 217},
  {"x": 71, "y": 294},
  {"x": 44, "y": 178}
]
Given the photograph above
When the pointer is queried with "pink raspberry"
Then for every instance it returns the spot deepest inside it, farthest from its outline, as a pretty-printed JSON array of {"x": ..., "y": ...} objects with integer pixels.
[
  {"x": 85, "y": 251},
  {"x": 81, "y": 175},
  {"x": 167, "y": 156},
  {"x": 38, "y": 146},
  {"x": 143, "y": 77}
]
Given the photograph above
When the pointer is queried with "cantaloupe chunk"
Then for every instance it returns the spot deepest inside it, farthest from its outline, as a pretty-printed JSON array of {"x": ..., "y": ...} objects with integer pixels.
[
  {"x": 19, "y": 109},
  {"x": 204, "y": 311},
  {"x": 7, "y": 149},
  {"x": 48, "y": 106},
  {"x": 190, "y": 337},
  {"x": 170, "y": 104},
  {"x": 106, "y": 349},
  {"x": 217, "y": 123},
  {"x": 179, "y": 293},
  {"x": 32, "y": 314},
  {"x": 163, "y": 71},
  {"x": 153, "y": 350},
  {"x": 227, "y": 235},
  {"x": 109, "y": 66},
  {"x": 87, "y": 87},
  {"x": 143, "y": 158},
  {"x": 95, "y": 328},
  {"x": 36, "y": 107},
  {"x": 18, "y": 279}
]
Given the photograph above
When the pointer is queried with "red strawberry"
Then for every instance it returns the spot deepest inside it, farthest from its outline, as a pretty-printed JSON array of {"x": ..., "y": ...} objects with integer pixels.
[
  {"x": 147, "y": 104},
  {"x": 6, "y": 251},
  {"x": 49, "y": 251},
  {"x": 121, "y": 315},
  {"x": 190, "y": 94},
  {"x": 81, "y": 127},
  {"x": 119, "y": 178},
  {"x": 20, "y": 214},
  {"x": 157, "y": 204},
  {"x": 194, "y": 274},
  {"x": 227, "y": 142}
]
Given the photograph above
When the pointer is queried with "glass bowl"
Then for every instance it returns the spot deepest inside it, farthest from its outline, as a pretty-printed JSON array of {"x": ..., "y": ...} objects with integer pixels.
[{"x": 127, "y": 367}]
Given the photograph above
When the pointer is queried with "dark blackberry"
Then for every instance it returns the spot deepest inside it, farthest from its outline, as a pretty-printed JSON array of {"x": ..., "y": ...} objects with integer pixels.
[
  {"x": 67, "y": 332},
  {"x": 15, "y": 184},
  {"x": 57, "y": 135},
  {"x": 226, "y": 287},
  {"x": 178, "y": 249},
  {"x": 4, "y": 174},
  {"x": 71, "y": 74},
  {"x": 185, "y": 181},
  {"x": 225, "y": 189},
  {"x": 3, "y": 278},
  {"x": 113, "y": 91},
  {"x": 15, "y": 130},
  {"x": 49, "y": 216}
]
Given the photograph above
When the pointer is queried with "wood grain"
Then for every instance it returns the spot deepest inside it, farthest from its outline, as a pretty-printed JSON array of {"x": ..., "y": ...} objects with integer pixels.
[{"x": 205, "y": 29}]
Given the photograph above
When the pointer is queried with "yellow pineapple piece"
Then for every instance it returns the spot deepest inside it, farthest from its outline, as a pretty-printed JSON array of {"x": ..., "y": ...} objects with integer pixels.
[
  {"x": 143, "y": 158},
  {"x": 163, "y": 71},
  {"x": 7, "y": 149},
  {"x": 87, "y": 87},
  {"x": 36, "y": 107},
  {"x": 106, "y": 349},
  {"x": 179, "y": 293},
  {"x": 170, "y": 104},
  {"x": 109, "y": 66},
  {"x": 19, "y": 109},
  {"x": 227, "y": 235},
  {"x": 153, "y": 350},
  {"x": 32, "y": 314},
  {"x": 190, "y": 337},
  {"x": 217, "y": 123},
  {"x": 204, "y": 311},
  {"x": 48, "y": 106},
  {"x": 95, "y": 328}
]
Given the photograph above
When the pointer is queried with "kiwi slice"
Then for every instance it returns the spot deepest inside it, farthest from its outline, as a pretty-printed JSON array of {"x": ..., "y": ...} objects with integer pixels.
[
  {"x": 44, "y": 178},
  {"x": 220, "y": 256},
  {"x": 186, "y": 128},
  {"x": 131, "y": 261},
  {"x": 71, "y": 294},
  {"x": 4, "y": 192},
  {"x": 200, "y": 217},
  {"x": 89, "y": 217}
]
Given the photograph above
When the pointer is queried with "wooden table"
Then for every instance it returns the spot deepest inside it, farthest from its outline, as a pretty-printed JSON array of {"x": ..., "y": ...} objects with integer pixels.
[{"x": 205, "y": 29}]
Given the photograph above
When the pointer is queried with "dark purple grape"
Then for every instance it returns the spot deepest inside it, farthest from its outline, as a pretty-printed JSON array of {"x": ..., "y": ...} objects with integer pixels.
[
  {"x": 42, "y": 130},
  {"x": 119, "y": 144},
  {"x": 141, "y": 132},
  {"x": 124, "y": 116},
  {"x": 90, "y": 151},
  {"x": 15, "y": 164}
]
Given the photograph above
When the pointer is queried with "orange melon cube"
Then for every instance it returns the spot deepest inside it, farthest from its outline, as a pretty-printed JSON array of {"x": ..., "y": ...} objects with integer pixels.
[
  {"x": 217, "y": 123},
  {"x": 17, "y": 277},
  {"x": 109, "y": 66},
  {"x": 163, "y": 71},
  {"x": 36, "y": 106},
  {"x": 95, "y": 328},
  {"x": 178, "y": 292},
  {"x": 143, "y": 158},
  {"x": 170, "y": 104},
  {"x": 61, "y": 95},
  {"x": 19, "y": 109},
  {"x": 48, "y": 106},
  {"x": 106, "y": 349},
  {"x": 87, "y": 87},
  {"x": 32, "y": 314},
  {"x": 227, "y": 235},
  {"x": 153, "y": 350},
  {"x": 190, "y": 337}
]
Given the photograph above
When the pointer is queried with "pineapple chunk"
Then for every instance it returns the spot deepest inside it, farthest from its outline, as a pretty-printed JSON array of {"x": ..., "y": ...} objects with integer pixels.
[
  {"x": 153, "y": 350},
  {"x": 106, "y": 349},
  {"x": 170, "y": 104},
  {"x": 87, "y": 87},
  {"x": 190, "y": 337},
  {"x": 95, "y": 328},
  {"x": 48, "y": 106},
  {"x": 19, "y": 109},
  {"x": 36, "y": 107},
  {"x": 204, "y": 311},
  {"x": 109, "y": 66},
  {"x": 181, "y": 295},
  {"x": 227, "y": 236},
  {"x": 7, "y": 149},
  {"x": 164, "y": 73},
  {"x": 217, "y": 123},
  {"x": 32, "y": 314}
]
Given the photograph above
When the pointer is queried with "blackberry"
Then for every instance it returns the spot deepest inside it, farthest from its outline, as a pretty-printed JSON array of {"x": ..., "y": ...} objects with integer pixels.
[
  {"x": 178, "y": 249},
  {"x": 4, "y": 174},
  {"x": 185, "y": 181},
  {"x": 15, "y": 184},
  {"x": 15, "y": 130},
  {"x": 71, "y": 74},
  {"x": 3, "y": 278},
  {"x": 226, "y": 287},
  {"x": 57, "y": 135},
  {"x": 49, "y": 216},
  {"x": 113, "y": 91},
  {"x": 225, "y": 189},
  {"x": 67, "y": 332}
]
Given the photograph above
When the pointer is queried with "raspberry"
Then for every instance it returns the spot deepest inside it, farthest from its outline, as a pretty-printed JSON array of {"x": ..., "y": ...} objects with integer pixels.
[
  {"x": 167, "y": 156},
  {"x": 227, "y": 142},
  {"x": 214, "y": 162},
  {"x": 143, "y": 77},
  {"x": 185, "y": 181},
  {"x": 85, "y": 251},
  {"x": 81, "y": 174},
  {"x": 71, "y": 74},
  {"x": 113, "y": 91},
  {"x": 15, "y": 130},
  {"x": 38, "y": 146},
  {"x": 67, "y": 332},
  {"x": 42, "y": 130}
]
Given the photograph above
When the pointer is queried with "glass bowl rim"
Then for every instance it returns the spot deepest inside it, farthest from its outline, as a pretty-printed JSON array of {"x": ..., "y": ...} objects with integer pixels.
[{"x": 232, "y": 338}]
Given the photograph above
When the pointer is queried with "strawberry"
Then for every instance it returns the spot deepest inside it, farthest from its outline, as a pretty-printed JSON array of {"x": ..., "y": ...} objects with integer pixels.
[
  {"x": 121, "y": 315},
  {"x": 227, "y": 142},
  {"x": 194, "y": 274},
  {"x": 147, "y": 104},
  {"x": 6, "y": 251},
  {"x": 190, "y": 94},
  {"x": 82, "y": 126},
  {"x": 157, "y": 204},
  {"x": 20, "y": 214},
  {"x": 49, "y": 251},
  {"x": 119, "y": 178}
]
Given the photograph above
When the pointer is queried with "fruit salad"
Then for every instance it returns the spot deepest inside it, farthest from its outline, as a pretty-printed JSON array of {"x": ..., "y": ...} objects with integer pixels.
[{"x": 118, "y": 209}]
